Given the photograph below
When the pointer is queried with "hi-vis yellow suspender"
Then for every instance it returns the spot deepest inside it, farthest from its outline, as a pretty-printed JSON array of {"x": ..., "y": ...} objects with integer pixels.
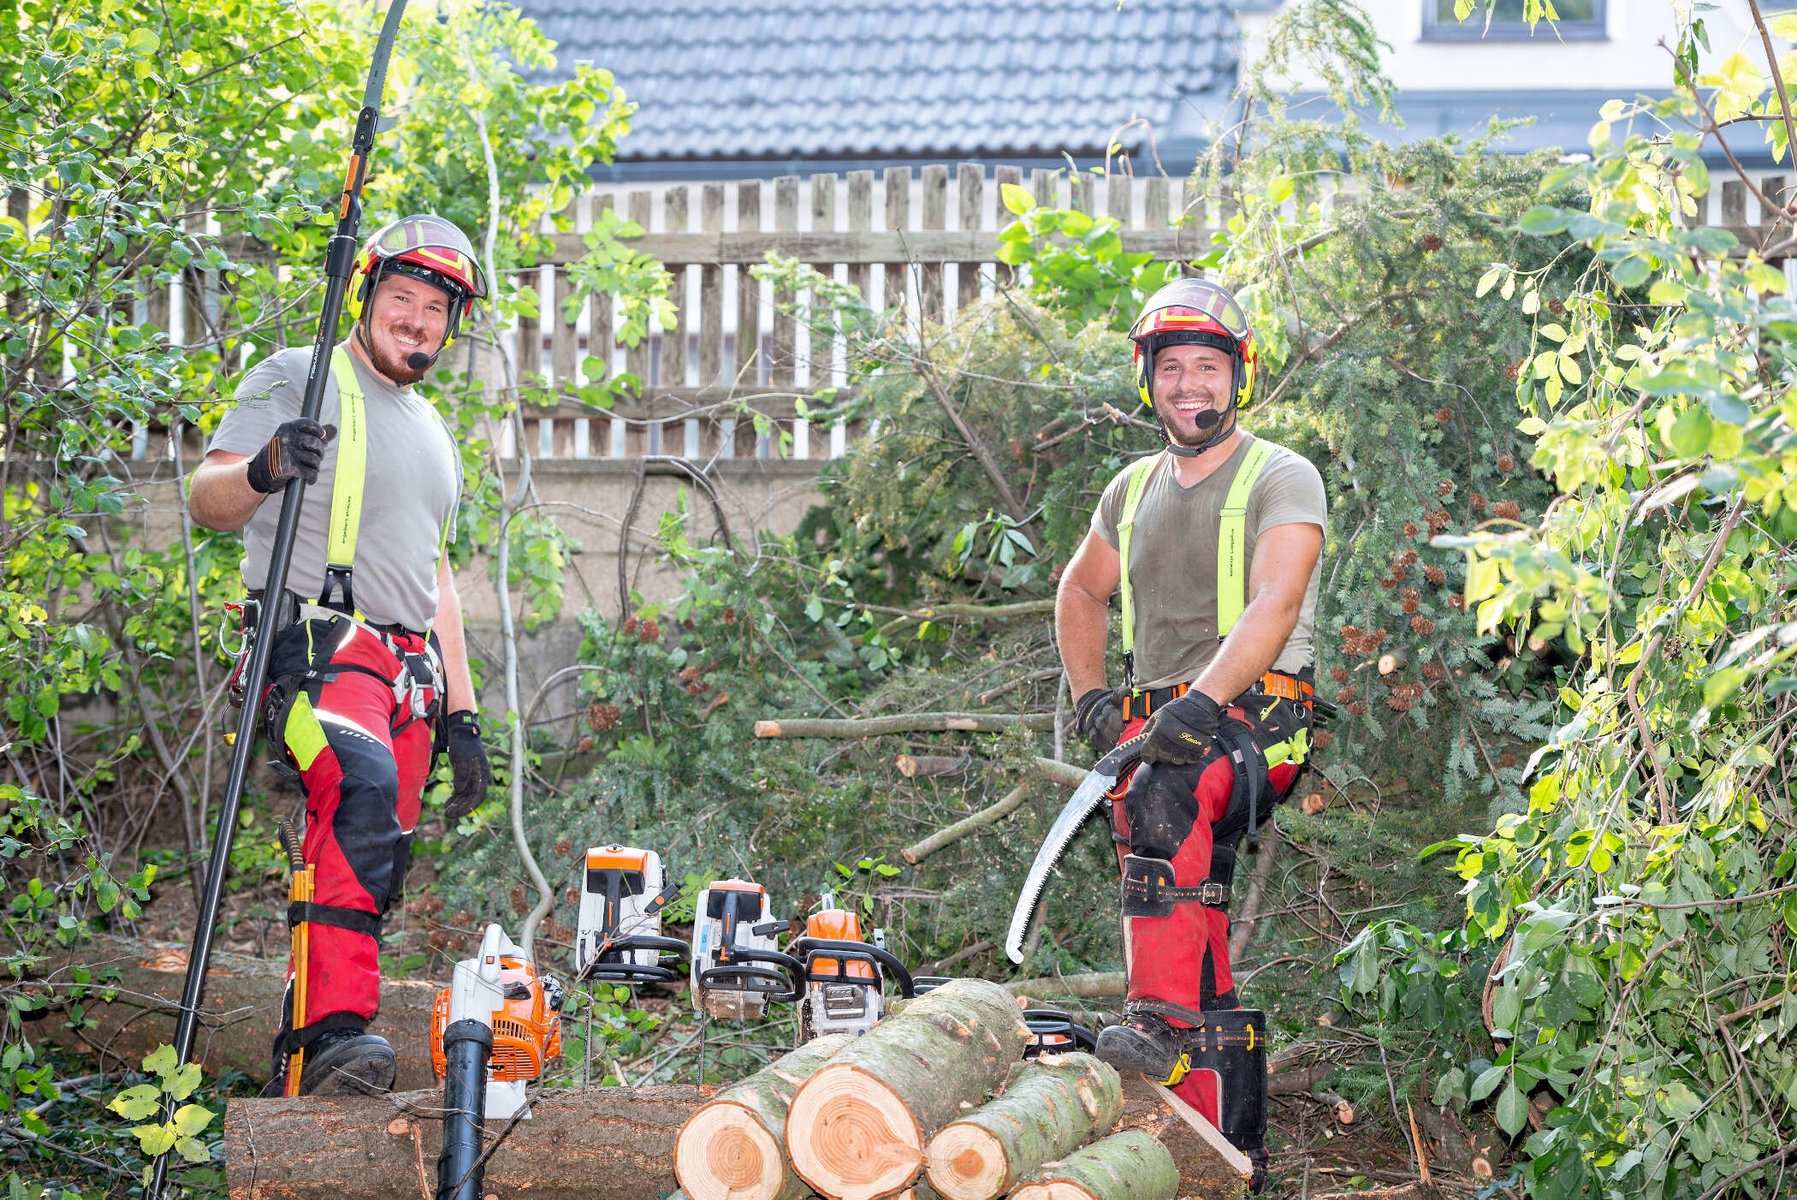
[
  {"x": 346, "y": 488},
  {"x": 1232, "y": 541}
]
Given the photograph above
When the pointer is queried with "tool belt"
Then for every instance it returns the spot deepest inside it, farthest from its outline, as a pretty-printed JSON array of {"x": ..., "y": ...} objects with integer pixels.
[{"x": 1274, "y": 685}]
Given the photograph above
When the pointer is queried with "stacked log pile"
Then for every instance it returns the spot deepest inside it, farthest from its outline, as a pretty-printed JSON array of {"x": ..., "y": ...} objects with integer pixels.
[{"x": 935, "y": 1103}]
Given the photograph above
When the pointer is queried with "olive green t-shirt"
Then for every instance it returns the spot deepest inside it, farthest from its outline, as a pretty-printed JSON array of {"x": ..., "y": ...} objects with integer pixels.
[{"x": 1173, "y": 557}]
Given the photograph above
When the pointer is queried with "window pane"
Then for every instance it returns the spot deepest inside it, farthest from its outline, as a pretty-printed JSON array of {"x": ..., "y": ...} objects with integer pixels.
[{"x": 1509, "y": 12}]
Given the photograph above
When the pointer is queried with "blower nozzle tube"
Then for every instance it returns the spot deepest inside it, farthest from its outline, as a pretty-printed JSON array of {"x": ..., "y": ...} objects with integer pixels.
[{"x": 467, "y": 1045}]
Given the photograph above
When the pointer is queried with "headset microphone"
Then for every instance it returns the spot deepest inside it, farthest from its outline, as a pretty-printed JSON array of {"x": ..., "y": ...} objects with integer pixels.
[
  {"x": 1205, "y": 418},
  {"x": 418, "y": 361}
]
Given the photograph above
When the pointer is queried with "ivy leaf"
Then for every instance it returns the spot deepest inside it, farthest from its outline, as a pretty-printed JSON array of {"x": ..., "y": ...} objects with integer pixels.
[{"x": 1512, "y": 1110}]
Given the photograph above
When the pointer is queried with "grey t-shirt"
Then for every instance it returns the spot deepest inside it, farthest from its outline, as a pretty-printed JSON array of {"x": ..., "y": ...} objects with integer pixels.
[
  {"x": 413, "y": 483},
  {"x": 1173, "y": 553}
]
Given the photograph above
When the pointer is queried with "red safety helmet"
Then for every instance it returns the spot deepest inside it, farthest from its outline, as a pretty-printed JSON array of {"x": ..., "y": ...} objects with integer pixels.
[
  {"x": 1194, "y": 312},
  {"x": 430, "y": 249}
]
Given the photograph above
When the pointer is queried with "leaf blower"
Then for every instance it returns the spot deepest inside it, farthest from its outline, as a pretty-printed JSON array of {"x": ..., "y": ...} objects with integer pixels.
[{"x": 492, "y": 1030}]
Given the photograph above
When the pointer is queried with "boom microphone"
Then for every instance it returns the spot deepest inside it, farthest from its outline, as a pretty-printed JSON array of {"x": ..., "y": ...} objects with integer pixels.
[
  {"x": 1204, "y": 418},
  {"x": 418, "y": 362}
]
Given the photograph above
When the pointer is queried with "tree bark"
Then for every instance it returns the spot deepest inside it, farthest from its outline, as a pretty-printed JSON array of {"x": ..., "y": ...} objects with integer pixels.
[
  {"x": 991, "y": 814},
  {"x": 857, "y": 1128},
  {"x": 734, "y": 1148},
  {"x": 1209, "y": 1167},
  {"x": 240, "y": 1012},
  {"x": 1125, "y": 1166},
  {"x": 825, "y": 727},
  {"x": 1065, "y": 774},
  {"x": 592, "y": 1144},
  {"x": 1049, "y": 1108}
]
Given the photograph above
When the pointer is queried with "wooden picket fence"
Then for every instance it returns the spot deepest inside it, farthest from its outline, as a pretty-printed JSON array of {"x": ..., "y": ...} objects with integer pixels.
[
  {"x": 744, "y": 349},
  {"x": 727, "y": 381}
]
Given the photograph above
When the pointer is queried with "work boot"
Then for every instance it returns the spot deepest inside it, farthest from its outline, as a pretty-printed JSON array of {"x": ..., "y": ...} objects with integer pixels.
[
  {"x": 1145, "y": 1042},
  {"x": 347, "y": 1062}
]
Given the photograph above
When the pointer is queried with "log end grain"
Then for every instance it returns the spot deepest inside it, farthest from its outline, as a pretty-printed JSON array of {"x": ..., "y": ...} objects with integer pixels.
[
  {"x": 725, "y": 1153},
  {"x": 851, "y": 1136},
  {"x": 767, "y": 729},
  {"x": 966, "y": 1162}
]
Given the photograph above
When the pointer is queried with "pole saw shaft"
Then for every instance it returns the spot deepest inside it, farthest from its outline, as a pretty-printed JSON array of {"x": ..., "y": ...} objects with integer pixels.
[{"x": 339, "y": 261}]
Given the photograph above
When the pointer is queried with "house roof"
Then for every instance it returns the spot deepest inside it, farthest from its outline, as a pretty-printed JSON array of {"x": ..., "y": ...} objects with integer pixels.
[{"x": 899, "y": 79}]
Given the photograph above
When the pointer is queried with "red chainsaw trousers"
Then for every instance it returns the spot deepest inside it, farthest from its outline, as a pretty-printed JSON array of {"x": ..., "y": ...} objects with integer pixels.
[
  {"x": 1183, "y": 958},
  {"x": 364, "y": 756}
]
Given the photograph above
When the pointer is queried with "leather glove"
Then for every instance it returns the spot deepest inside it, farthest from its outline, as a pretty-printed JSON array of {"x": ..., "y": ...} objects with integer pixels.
[
  {"x": 1098, "y": 717},
  {"x": 467, "y": 764},
  {"x": 1181, "y": 732},
  {"x": 296, "y": 451}
]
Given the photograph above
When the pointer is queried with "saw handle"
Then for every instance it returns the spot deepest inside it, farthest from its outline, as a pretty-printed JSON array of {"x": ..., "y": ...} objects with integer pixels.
[
  {"x": 845, "y": 952},
  {"x": 630, "y": 972}
]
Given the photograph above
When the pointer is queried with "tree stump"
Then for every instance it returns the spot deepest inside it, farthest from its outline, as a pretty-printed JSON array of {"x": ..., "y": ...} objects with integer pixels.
[
  {"x": 1049, "y": 1108},
  {"x": 734, "y": 1148},
  {"x": 1125, "y": 1166},
  {"x": 857, "y": 1129}
]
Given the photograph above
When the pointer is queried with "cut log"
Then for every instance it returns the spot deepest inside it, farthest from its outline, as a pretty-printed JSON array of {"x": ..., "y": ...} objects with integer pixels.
[
  {"x": 1124, "y": 1166},
  {"x": 592, "y": 1144},
  {"x": 240, "y": 1012},
  {"x": 1049, "y": 1108},
  {"x": 828, "y": 727},
  {"x": 1093, "y": 986},
  {"x": 734, "y": 1148},
  {"x": 1065, "y": 774},
  {"x": 857, "y": 1129},
  {"x": 931, "y": 766}
]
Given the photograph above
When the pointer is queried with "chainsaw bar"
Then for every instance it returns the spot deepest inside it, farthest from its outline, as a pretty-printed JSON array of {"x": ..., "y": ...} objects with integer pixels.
[{"x": 1088, "y": 796}]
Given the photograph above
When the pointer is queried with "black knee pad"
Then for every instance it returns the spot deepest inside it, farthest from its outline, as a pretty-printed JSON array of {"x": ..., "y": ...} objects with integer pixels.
[{"x": 1162, "y": 807}]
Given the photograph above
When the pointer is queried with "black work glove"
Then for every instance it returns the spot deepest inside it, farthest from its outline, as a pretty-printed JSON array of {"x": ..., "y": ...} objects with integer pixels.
[
  {"x": 296, "y": 451},
  {"x": 467, "y": 763},
  {"x": 1181, "y": 731},
  {"x": 1098, "y": 717}
]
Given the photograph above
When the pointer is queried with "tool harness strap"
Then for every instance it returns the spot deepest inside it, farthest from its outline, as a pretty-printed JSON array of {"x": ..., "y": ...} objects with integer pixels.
[
  {"x": 346, "y": 488},
  {"x": 1232, "y": 540}
]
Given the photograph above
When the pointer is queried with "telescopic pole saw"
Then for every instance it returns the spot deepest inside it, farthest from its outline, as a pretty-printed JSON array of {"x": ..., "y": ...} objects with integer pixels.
[{"x": 339, "y": 261}]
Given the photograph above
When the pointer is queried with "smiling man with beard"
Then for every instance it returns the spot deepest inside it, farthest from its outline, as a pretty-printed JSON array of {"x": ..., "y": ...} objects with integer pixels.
[
  {"x": 1215, "y": 542},
  {"x": 368, "y": 673}
]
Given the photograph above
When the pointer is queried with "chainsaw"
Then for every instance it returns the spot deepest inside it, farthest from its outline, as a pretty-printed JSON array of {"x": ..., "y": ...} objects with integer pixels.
[
  {"x": 736, "y": 968},
  {"x": 492, "y": 1030},
  {"x": 1052, "y": 1030},
  {"x": 619, "y": 937},
  {"x": 844, "y": 976}
]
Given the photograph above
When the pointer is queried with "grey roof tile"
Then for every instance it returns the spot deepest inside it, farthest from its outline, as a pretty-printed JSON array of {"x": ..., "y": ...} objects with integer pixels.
[{"x": 910, "y": 78}]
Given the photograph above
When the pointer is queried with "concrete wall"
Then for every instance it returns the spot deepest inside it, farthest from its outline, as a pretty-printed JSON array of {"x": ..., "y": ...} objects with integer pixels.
[{"x": 588, "y": 499}]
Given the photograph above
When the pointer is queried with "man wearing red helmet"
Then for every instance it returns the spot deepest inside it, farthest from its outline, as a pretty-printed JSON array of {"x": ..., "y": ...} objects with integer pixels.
[
  {"x": 1216, "y": 543},
  {"x": 369, "y": 667}
]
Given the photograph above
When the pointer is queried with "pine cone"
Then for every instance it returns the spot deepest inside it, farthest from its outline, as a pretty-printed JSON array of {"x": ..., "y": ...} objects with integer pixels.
[
  {"x": 1512, "y": 370},
  {"x": 1444, "y": 414},
  {"x": 1410, "y": 599},
  {"x": 1358, "y": 708},
  {"x": 1422, "y": 625},
  {"x": 563, "y": 847},
  {"x": 1339, "y": 674},
  {"x": 1388, "y": 584},
  {"x": 518, "y": 905},
  {"x": 1398, "y": 571},
  {"x": 1476, "y": 502},
  {"x": 1433, "y": 672},
  {"x": 1408, "y": 558},
  {"x": 1506, "y": 759},
  {"x": 1397, "y": 703},
  {"x": 1321, "y": 738},
  {"x": 1431, "y": 242},
  {"x": 1445, "y": 488},
  {"x": 1345, "y": 695},
  {"x": 1439, "y": 520},
  {"x": 728, "y": 616},
  {"x": 649, "y": 632},
  {"x": 1435, "y": 575},
  {"x": 1509, "y": 510},
  {"x": 1555, "y": 307},
  {"x": 1410, "y": 529},
  {"x": 602, "y": 716},
  {"x": 1506, "y": 463},
  {"x": 629, "y": 626},
  {"x": 688, "y": 674},
  {"x": 1457, "y": 602}
]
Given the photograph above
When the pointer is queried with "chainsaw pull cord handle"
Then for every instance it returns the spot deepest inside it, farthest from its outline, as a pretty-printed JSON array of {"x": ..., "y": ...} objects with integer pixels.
[{"x": 339, "y": 260}]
